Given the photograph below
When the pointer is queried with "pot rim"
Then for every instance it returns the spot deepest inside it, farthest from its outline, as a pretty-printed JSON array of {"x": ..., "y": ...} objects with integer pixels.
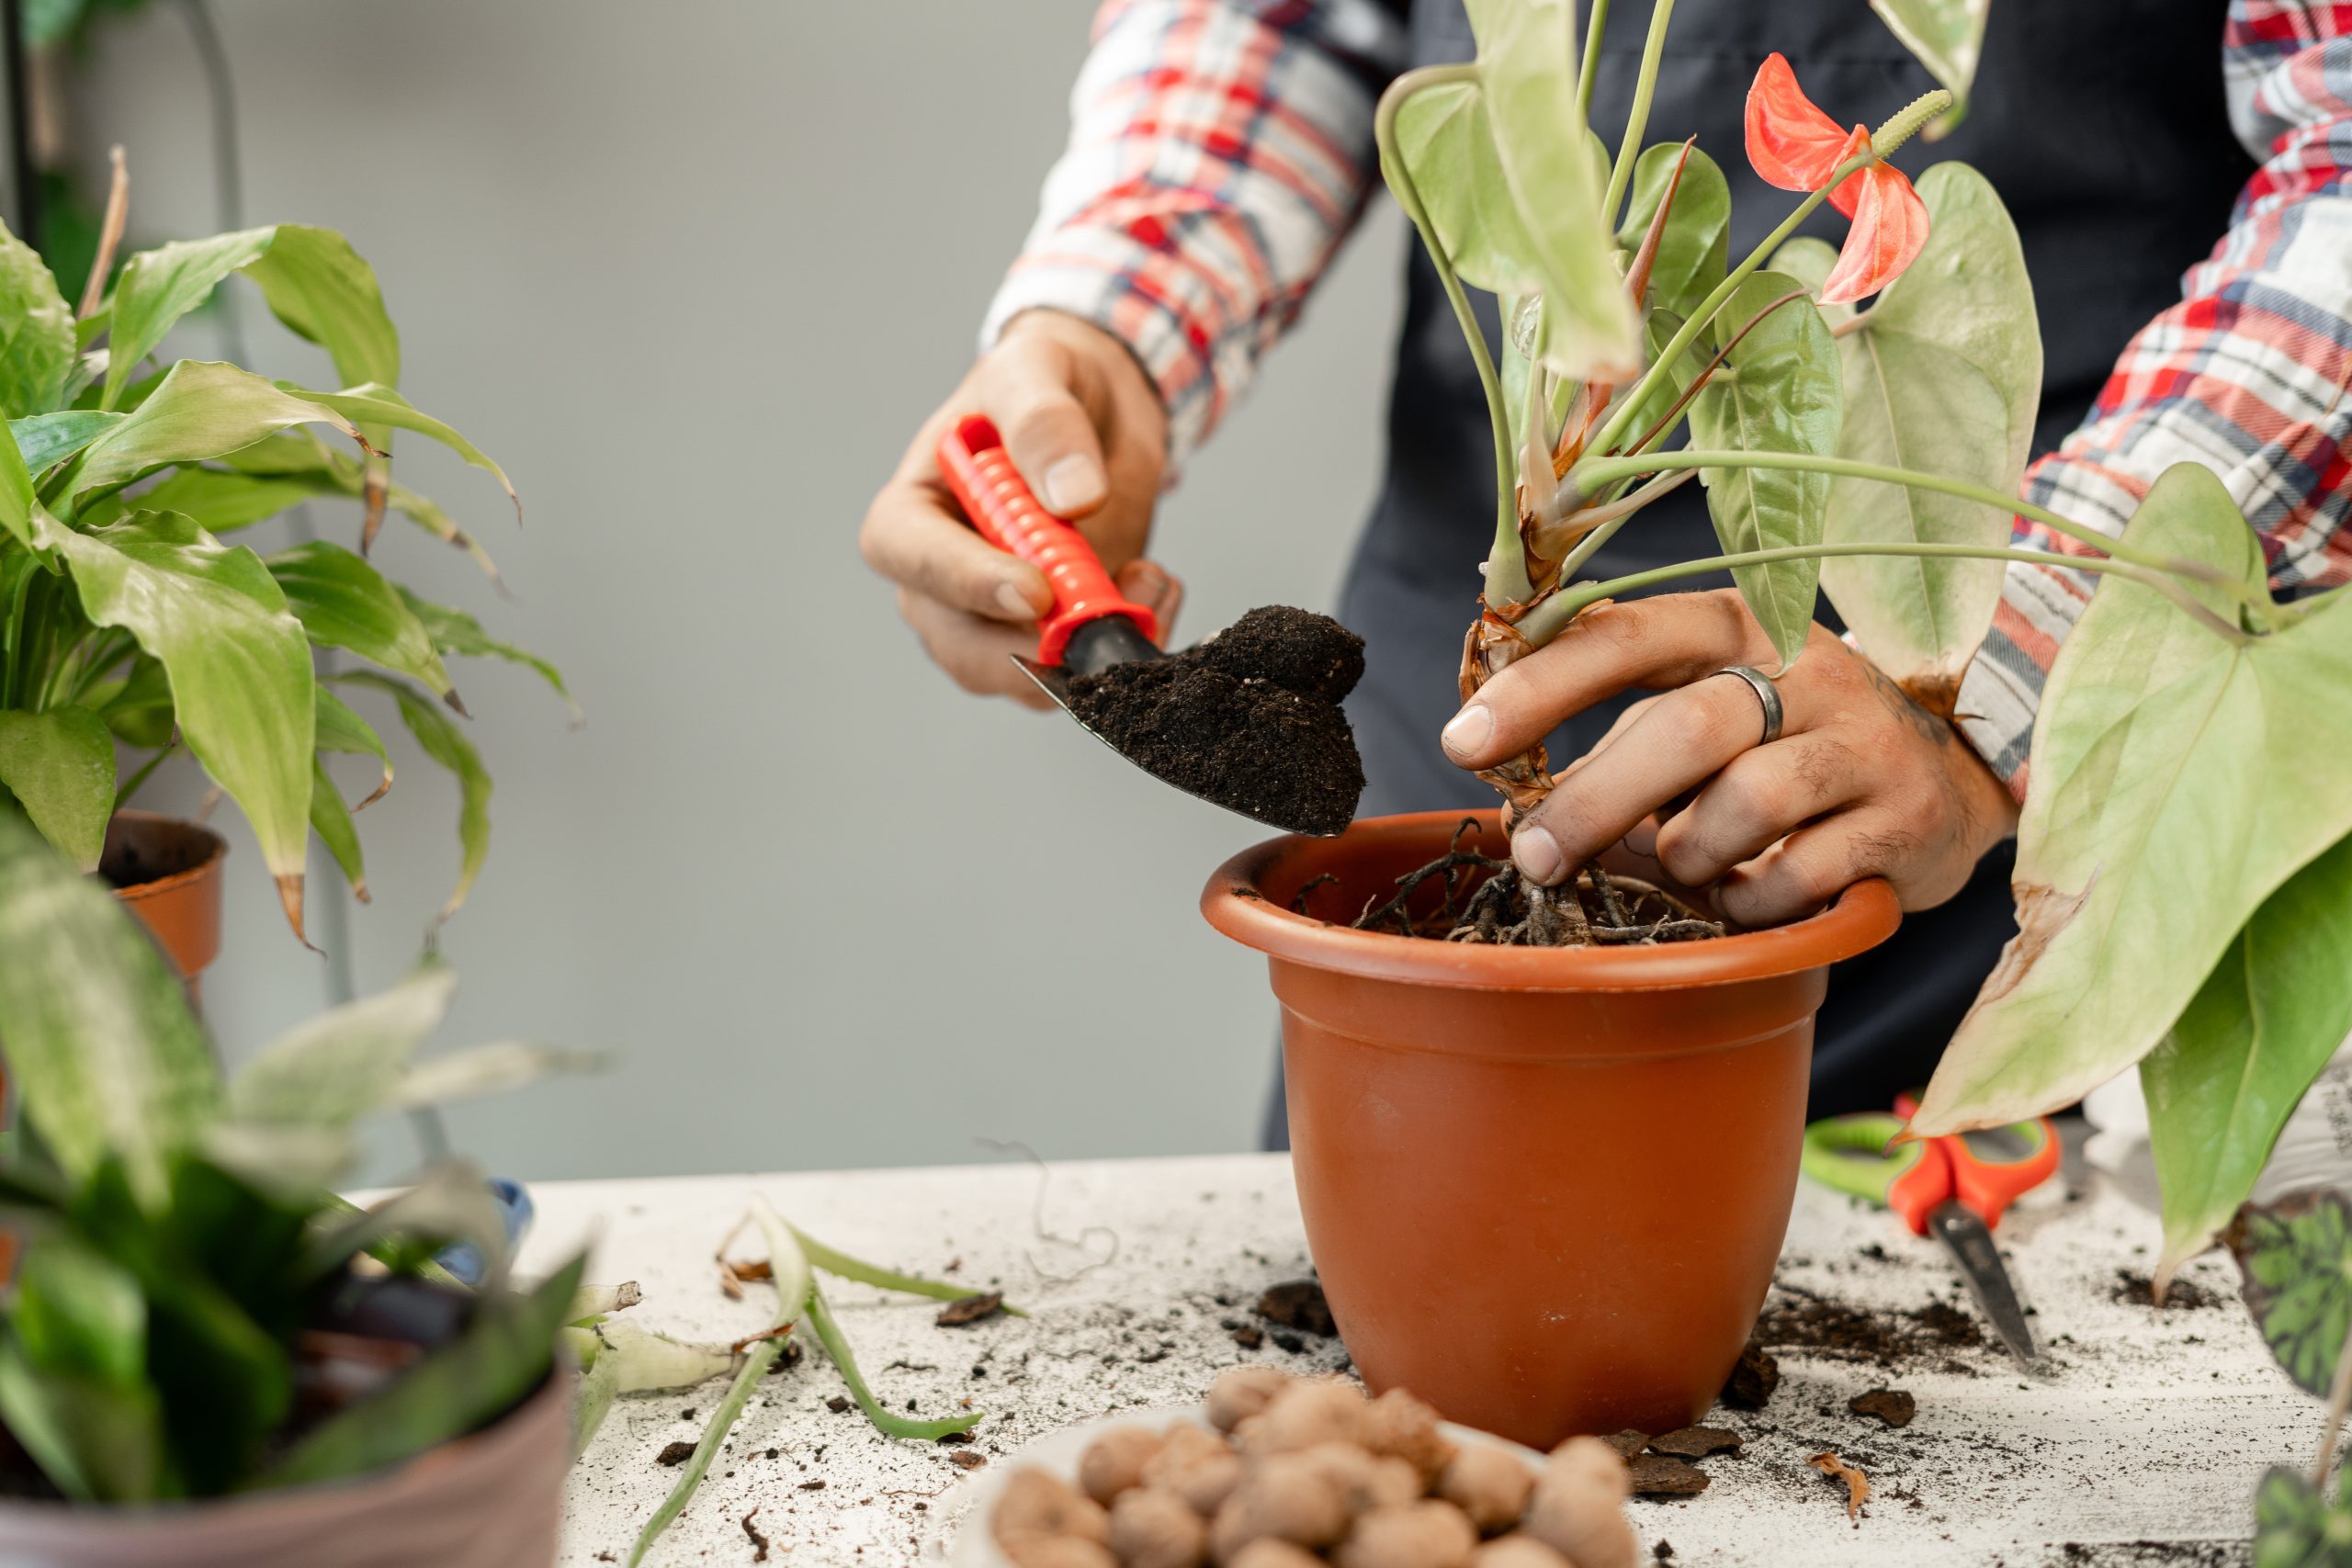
[
  {"x": 1860, "y": 918},
  {"x": 156, "y": 888}
]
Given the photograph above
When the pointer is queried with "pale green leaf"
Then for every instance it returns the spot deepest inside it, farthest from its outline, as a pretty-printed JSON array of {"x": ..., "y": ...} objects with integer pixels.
[
  {"x": 1693, "y": 250},
  {"x": 459, "y": 634},
  {"x": 36, "y": 332},
  {"x": 1948, "y": 38},
  {"x": 201, "y": 409},
  {"x": 158, "y": 287},
  {"x": 301, "y": 460},
  {"x": 345, "y": 603},
  {"x": 330, "y": 819},
  {"x": 377, "y": 405},
  {"x": 1783, "y": 395},
  {"x": 47, "y": 438},
  {"x": 340, "y": 729},
  {"x": 442, "y": 741},
  {"x": 1443, "y": 137},
  {"x": 139, "y": 712},
  {"x": 104, "y": 1056},
  {"x": 2240, "y": 1058},
  {"x": 348, "y": 1062},
  {"x": 1943, "y": 375},
  {"x": 60, "y": 766},
  {"x": 2178, "y": 779},
  {"x": 643, "y": 1362},
  {"x": 238, "y": 662},
  {"x": 1527, "y": 63},
  {"x": 324, "y": 290},
  {"x": 220, "y": 500},
  {"x": 498, "y": 1068},
  {"x": 16, "y": 500}
]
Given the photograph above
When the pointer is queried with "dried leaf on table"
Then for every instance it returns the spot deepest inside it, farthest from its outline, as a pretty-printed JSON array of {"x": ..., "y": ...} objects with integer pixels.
[{"x": 1857, "y": 1485}]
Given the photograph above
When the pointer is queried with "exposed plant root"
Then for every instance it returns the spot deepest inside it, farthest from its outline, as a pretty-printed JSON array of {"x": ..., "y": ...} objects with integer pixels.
[{"x": 1484, "y": 901}]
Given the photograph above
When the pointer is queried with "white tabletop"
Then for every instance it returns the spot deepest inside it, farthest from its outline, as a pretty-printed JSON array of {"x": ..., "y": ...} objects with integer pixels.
[{"x": 2154, "y": 1428}]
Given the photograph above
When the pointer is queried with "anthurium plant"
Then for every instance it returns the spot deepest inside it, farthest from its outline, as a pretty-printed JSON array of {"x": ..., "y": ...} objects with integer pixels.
[
  {"x": 184, "y": 1274},
  {"x": 125, "y": 614},
  {"x": 1860, "y": 419},
  {"x": 2296, "y": 1257}
]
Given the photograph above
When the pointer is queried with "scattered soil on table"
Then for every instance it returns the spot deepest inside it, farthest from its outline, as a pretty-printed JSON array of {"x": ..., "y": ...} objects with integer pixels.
[
  {"x": 967, "y": 1310},
  {"x": 838, "y": 1404},
  {"x": 2135, "y": 1289},
  {"x": 1250, "y": 719},
  {"x": 1662, "y": 1475},
  {"x": 965, "y": 1459},
  {"x": 676, "y": 1453},
  {"x": 2153, "y": 1555},
  {"x": 1299, "y": 1305},
  {"x": 759, "y": 1542},
  {"x": 1753, "y": 1378},
  {"x": 1249, "y": 1337},
  {"x": 1913, "y": 1336},
  {"x": 1697, "y": 1442},
  {"x": 1463, "y": 896},
  {"x": 1891, "y": 1405}
]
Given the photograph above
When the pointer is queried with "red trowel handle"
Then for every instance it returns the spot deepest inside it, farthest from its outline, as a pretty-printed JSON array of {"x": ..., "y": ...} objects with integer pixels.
[{"x": 980, "y": 473}]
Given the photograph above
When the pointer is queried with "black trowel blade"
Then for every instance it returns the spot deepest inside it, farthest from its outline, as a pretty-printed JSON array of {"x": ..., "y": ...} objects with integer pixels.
[{"x": 1054, "y": 681}]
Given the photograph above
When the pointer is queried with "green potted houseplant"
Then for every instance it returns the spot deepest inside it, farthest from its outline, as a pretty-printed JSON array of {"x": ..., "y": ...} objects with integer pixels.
[
  {"x": 204, "y": 1356},
  {"x": 2174, "y": 847},
  {"x": 127, "y": 619}
]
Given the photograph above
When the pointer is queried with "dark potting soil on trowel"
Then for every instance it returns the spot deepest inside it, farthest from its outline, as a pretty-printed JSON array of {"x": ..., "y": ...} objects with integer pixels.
[{"x": 1249, "y": 718}]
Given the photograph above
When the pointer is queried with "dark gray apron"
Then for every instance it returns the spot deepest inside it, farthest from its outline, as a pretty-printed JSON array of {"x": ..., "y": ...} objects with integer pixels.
[{"x": 2105, "y": 130}]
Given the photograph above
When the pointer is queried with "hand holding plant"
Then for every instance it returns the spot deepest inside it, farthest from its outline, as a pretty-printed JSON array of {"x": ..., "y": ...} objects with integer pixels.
[{"x": 1860, "y": 419}]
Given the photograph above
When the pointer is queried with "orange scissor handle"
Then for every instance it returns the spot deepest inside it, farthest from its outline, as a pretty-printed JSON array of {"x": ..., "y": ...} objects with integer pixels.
[
  {"x": 1914, "y": 1193},
  {"x": 1989, "y": 1170}
]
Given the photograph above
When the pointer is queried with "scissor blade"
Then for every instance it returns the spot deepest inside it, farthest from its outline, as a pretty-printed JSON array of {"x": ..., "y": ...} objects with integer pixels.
[{"x": 1971, "y": 1245}]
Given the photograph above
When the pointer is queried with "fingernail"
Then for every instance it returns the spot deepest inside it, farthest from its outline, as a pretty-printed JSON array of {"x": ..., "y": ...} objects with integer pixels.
[
  {"x": 1146, "y": 584},
  {"x": 1016, "y": 604},
  {"x": 1073, "y": 483},
  {"x": 1468, "y": 732},
  {"x": 1538, "y": 854}
]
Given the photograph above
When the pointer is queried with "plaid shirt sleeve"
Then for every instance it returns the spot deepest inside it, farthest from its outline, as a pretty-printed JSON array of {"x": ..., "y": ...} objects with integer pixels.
[
  {"x": 2247, "y": 375},
  {"x": 1219, "y": 152}
]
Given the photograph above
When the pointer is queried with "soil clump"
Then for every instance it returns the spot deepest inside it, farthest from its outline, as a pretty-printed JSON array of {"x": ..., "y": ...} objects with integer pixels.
[
  {"x": 1250, "y": 719},
  {"x": 1915, "y": 1336},
  {"x": 1891, "y": 1405}
]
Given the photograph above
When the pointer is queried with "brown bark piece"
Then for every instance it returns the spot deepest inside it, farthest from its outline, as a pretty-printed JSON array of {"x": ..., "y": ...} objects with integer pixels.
[
  {"x": 1662, "y": 1475},
  {"x": 1698, "y": 1442},
  {"x": 676, "y": 1453},
  {"x": 970, "y": 1309},
  {"x": 1298, "y": 1304},
  {"x": 1753, "y": 1378},
  {"x": 1628, "y": 1442},
  {"x": 1891, "y": 1405}
]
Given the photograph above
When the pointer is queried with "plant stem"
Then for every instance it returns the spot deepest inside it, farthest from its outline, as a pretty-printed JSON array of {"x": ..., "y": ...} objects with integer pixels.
[
  {"x": 1620, "y": 173},
  {"x": 122, "y": 796},
  {"x": 1601, "y": 471},
  {"x": 865, "y": 1273},
  {"x": 828, "y": 1335},
  {"x": 1689, "y": 330},
  {"x": 1546, "y": 620},
  {"x": 1595, "y": 25},
  {"x": 2339, "y": 1402},
  {"x": 1616, "y": 515},
  {"x": 1506, "y": 563}
]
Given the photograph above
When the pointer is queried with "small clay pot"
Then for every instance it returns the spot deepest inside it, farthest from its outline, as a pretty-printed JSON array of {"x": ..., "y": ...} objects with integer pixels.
[
  {"x": 1545, "y": 1188},
  {"x": 168, "y": 873},
  {"x": 492, "y": 1500}
]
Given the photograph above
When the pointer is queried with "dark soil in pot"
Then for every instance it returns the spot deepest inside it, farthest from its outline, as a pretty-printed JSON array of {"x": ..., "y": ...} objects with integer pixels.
[{"x": 1249, "y": 718}]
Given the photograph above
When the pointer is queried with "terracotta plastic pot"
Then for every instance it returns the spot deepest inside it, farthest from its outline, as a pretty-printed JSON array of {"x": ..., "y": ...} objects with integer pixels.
[
  {"x": 1544, "y": 1189},
  {"x": 168, "y": 873},
  {"x": 491, "y": 1500}
]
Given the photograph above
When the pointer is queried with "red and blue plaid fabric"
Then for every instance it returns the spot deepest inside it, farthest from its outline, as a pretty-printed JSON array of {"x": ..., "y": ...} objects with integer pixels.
[{"x": 1220, "y": 151}]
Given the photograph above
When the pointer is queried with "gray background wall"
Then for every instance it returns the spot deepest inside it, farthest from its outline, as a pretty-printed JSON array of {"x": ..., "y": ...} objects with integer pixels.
[{"x": 692, "y": 271}]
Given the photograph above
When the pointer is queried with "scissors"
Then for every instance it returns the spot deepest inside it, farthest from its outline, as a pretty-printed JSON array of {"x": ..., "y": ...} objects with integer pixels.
[{"x": 1955, "y": 1188}]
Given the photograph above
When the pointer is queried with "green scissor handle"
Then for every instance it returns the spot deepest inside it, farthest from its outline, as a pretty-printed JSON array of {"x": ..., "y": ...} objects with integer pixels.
[{"x": 1850, "y": 1154}]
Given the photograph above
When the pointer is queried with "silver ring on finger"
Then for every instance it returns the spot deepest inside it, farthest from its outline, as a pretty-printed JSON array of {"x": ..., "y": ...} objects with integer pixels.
[{"x": 1766, "y": 693}]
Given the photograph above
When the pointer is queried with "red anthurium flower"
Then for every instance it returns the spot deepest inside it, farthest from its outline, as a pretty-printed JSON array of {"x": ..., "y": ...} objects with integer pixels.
[{"x": 1796, "y": 146}]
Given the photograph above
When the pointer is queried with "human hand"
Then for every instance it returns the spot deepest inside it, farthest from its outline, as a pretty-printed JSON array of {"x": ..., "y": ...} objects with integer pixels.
[
  {"x": 1084, "y": 427},
  {"x": 1863, "y": 782}
]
